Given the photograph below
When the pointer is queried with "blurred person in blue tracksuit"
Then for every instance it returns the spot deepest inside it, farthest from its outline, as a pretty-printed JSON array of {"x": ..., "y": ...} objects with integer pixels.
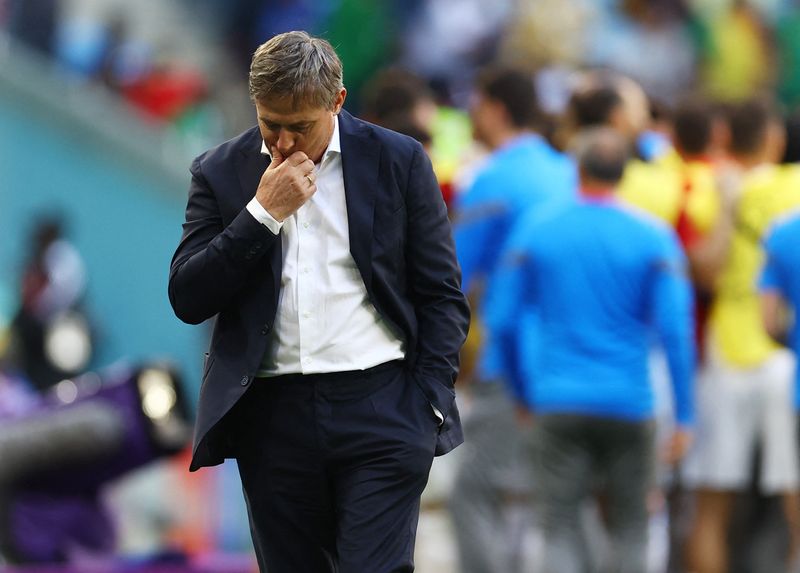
[
  {"x": 780, "y": 304},
  {"x": 522, "y": 172},
  {"x": 599, "y": 277},
  {"x": 780, "y": 286}
]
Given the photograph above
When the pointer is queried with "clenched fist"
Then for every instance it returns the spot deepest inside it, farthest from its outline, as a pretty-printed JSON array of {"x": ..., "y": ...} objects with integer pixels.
[{"x": 286, "y": 184}]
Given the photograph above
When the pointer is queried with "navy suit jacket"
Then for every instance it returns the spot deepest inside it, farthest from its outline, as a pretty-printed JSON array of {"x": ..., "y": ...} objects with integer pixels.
[{"x": 228, "y": 265}]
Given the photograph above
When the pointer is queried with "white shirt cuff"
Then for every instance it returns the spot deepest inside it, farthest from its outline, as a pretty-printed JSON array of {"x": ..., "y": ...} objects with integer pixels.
[
  {"x": 262, "y": 216},
  {"x": 438, "y": 414}
]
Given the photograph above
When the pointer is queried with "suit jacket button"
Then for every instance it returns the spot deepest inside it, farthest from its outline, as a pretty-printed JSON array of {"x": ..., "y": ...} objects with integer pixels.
[
  {"x": 264, "y": 330},
  {"x": 245, "y": 380}
]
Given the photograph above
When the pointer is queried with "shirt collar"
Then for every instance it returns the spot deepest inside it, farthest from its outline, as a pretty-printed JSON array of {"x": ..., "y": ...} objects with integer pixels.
[{"x": 334, "y": 146}]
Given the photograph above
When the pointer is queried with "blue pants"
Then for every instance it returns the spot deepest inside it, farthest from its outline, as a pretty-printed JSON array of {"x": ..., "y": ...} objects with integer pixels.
[{"x": 333, "y": 466}]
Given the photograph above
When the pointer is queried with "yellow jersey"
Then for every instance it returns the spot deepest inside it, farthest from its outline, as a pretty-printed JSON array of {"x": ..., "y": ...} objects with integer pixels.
[
  {"x": 736, "y": 327},
  {"x": 669, "y": 186}
]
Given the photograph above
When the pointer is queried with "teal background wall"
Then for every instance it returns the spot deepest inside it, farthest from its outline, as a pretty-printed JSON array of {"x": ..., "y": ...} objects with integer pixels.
[{"x": 122, "y": 192}]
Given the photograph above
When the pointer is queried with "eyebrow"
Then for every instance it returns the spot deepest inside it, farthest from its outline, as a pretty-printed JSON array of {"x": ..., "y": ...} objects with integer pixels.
[{"x": 295, "y": 125}]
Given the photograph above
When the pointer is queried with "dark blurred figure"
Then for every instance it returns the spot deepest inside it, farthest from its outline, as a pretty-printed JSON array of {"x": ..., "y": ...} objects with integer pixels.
[
  {"x": 792, "y": 152},
  {"x": 395, "y": 92},
  {"x": 33, "y": 22},
  {"x": 599, "y": 278},
  {"x": 406, "y": 126},
  {"x": 50, "y": 333},
  {"x": 596, "y": 106},
  {"x": 400, "y": 100},
  {"x": 523, "y": 172},
  {"x": 603, "y": 98}
]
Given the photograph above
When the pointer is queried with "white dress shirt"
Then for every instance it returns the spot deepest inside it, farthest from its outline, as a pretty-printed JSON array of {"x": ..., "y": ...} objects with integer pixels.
[{"x": 324, "y": 321}]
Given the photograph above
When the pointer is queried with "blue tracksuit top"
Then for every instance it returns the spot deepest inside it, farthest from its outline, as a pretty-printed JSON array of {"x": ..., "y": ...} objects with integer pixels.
[
  {"x": 526, "y": 173},
  {"x": 596, "y": 278},
  {"x": 782, "y": 273}
]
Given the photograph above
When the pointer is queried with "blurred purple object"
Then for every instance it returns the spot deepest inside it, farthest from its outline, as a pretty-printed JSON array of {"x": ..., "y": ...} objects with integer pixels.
[
  {"x": 135, "y": 450},
  {"x": 45, "y": 524},
  {"x": 16, "y": 397},
  {"x": 204, "y": 564},
  {"x": 61, "y": 449}
]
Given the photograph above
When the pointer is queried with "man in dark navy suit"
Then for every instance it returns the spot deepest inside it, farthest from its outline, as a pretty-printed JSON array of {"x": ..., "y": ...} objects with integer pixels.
[{"x": 322, "y": 246}]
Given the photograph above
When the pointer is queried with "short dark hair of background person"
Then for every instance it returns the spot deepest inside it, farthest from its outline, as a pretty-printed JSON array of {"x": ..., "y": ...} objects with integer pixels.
[{"x": 515, "y": 90}]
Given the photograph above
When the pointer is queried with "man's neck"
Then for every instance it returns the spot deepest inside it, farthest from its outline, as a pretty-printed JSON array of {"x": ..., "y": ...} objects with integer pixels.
[
  {"x": 502, "y": 137},
  {"x": 596, "y": 190},
  {"x": 747, "y": 162},
  {"x": 702, "y": 157}
]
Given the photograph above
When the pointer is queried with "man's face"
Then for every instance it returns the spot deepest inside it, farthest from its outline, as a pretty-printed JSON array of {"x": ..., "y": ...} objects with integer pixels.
[
  {"x": 288, "y": 128},
  {"x": 483, "y": 116}
]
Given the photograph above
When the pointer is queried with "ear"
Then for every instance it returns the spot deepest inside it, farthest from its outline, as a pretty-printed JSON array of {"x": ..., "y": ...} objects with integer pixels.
[
  {"x": 498, "y": 112},
  {"x": 620, "y": 119},
  {"x": 339, "y": 102}
]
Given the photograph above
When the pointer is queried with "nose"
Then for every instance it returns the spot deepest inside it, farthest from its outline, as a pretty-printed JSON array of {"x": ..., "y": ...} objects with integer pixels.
[{"x": 286, "y": 141}]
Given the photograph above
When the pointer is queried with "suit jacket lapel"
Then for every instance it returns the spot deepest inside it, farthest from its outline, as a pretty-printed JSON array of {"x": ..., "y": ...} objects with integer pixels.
[
  {"x": 360, "y": 165},
  {"x": 250, "y": 166}
]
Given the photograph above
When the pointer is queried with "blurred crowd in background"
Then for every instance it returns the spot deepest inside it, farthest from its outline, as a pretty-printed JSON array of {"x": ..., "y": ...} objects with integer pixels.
[
  {"x": 185, "y": 65},
  {"x": 521, "y": 105}
]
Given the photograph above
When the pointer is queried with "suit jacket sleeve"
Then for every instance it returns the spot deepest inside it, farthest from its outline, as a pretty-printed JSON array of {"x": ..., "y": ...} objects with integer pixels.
[
  {"x": 434, "y": 280},
  {"x": 213, "y": 261}
]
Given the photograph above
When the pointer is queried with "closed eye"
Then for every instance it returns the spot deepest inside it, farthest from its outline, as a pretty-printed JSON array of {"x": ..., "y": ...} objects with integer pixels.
[
  {"x": 271, "y": 126},
  {"x": 296, "y": 128}
]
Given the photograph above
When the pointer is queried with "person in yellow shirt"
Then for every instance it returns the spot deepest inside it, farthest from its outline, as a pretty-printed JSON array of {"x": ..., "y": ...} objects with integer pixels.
[
  {"x": 745, "y": 390},
  {"x": 736, "y": 55},
  {"x": 690, "y": 188}
]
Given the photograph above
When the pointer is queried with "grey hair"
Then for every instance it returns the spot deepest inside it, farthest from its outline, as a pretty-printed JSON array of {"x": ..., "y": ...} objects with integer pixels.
[
  {"x": 601, "y": 153},
  {"x": 297, "y": 65}
]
